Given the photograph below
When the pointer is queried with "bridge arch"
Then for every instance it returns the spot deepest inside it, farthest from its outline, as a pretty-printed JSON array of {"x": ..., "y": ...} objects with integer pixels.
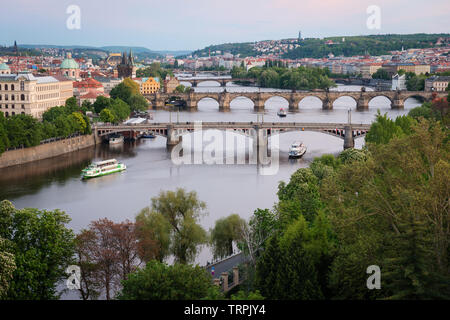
[
  {"x": 241, "y": 102},
  {"x": 207, "y": 103},
  {"x": 345, "y": 101},
  {"x": 207, "y": 83},
  {"x": 310, "y": 102},
  {"x": 276, "y": 102},
  {"x": 186, "y": 83},
  {"x": 380, "y": 101}
]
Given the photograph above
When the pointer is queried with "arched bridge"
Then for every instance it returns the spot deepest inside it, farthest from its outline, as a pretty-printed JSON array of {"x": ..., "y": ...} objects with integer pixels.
[
  {"x": 222, "y": 81},
  {"x": 224, "y": 99},
  {"x": 259, "y": 130}
]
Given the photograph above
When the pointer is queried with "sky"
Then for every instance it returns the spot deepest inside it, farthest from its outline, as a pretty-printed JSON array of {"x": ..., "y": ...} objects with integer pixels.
[{"x": 194, "y": 24}]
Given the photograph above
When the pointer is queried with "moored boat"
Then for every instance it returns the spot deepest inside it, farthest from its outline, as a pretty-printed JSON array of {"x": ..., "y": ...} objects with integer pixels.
[
  {"x": 297, "y": 150},
  {"x": 116, "y": 140},
  {"x": 282, "y": 112},
  {"x": 102, "y": 168}
]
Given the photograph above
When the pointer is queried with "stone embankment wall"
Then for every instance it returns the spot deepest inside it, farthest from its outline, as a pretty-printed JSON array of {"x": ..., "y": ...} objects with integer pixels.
[{"x": 44, "y": 151}]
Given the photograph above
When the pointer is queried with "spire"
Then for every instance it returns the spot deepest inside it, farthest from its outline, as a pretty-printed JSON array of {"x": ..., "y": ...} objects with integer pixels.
[
  {"x": 131, "y": 58},
  {"x": 124, "y": 58}
]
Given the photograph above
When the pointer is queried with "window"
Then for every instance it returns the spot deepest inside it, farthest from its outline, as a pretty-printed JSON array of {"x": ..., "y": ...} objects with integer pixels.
[
  {"x": 23, "y": 106},
  {"x": 22, "y": 97},
  {"x": 22, "y": 112},
  {"x": 12, "y": 97},
  {"x": 12, "y": 87},
  {"x": 6, "y": 87},
  {"x": 12, "y": 106},
  {"x": 0, "y": 87},
  {"x": 13, "y": 113},
  {"x": 22, "y": 85},
  {"x": 6, "y": 114},
  {"x": 6, "y": 97}
]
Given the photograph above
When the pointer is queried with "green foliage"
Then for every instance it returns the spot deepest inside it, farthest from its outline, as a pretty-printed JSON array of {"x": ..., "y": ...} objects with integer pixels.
[
  {"x": 182, "y": 210},
  {"x": 226, "y": 232},
  {"x": 381, "y": 74},
  {"x": 4, "y": 140},
  {"x": 101, "y": 103},
  {"x": 138, "y": 103},
  {"x": 106, "y": 115},
  {"x": 182, "y": 89},
  {"x": 350, "y": 155},
  {"x": 7, "y": 266},
  {"x": 242, "y": 295},
  {"x": 153, "y": 232},
  {"x": 384, "y": 129},
  {"x": 159, "y": 281},
  {"x": 361, "y": 45},
  {"x": 415, "y": 82},
  {"x": 154, "y": 70},
  {"x": 390, "y": 211},
  {"x": 43, "y": 247},
  {"x": 295, "y": 264},
  {"x": 301, "y": 78},
  {"x": 299, "y": 197}
]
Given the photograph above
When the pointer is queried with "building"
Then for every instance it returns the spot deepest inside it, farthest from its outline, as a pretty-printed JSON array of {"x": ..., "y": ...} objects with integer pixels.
[
  {"x": 126, "y": 68},
  {"x": 24, "y": 93},
  {"x": 69, "y": 68},
  {"x": 88, "y": 89},
  {"x": 367, "y": 70},
  {"x": 4, "y": 69},
  {"x": 170, "y": 83},
  {"x": 394, "y": 68},
  {"x": 149, "y": 85},
  {"x": 399, "y": 82},
  {"x": 437, "y": 83}
]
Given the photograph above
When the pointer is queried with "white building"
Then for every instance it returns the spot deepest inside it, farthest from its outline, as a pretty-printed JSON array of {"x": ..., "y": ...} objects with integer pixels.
[{"x": 398, "y": 82}]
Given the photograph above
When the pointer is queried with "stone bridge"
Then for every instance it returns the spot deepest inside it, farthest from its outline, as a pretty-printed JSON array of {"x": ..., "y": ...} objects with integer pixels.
[
  {"x": 222, "y": 81},
  {"x": 259, "y": 131},
  {"x": 224, "y": 99}
]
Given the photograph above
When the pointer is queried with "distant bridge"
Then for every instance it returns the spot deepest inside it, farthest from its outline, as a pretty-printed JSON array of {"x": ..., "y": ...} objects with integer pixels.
[
  {"x": 222, "y": 81},
  {"x": 260, "y": 131},
  {"x": 224, "y": 99}
]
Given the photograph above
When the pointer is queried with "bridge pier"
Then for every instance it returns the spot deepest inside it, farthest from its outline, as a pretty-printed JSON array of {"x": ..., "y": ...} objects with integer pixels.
[
  {"x": 258, "y": 103},
  {"x": 224, "y": 101},
  {"x": 327, "y": 104},
  {"x": 362, "y": 104},
  {"x": 260, "y": 144},
  {"x": 172, "y": 138},
  {"x": 398, "y": 104},
  {"x": 349, "y": 142}
]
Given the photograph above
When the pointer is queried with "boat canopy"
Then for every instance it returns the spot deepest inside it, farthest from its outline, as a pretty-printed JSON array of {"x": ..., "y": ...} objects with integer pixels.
[{"x": 101, "y": 163}]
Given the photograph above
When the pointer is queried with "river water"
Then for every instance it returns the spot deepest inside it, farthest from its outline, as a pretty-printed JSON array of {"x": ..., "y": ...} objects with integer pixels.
[{"x": 55, "y": 183}]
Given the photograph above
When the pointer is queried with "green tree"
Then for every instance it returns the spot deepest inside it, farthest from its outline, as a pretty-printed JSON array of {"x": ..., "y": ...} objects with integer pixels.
[
  {"x": 153, "y": 232},
  {"x": 71, "y": 105},
  {"x": 138, "y": 103},
  {"x": 43, "y": 248},
  {"x": 7, "y": 266},
  {"x": 79, "y": 123},
  {"x": 4, "y": 140},
  {"x": 381, "y": 74},
  {"x": 226, "y": 232},
  {"x": 106, "y": 115},
  {"x": 159, "y": 281},
  {"x": 101, "y": 103},
  {"x": 182, "y": 210}
]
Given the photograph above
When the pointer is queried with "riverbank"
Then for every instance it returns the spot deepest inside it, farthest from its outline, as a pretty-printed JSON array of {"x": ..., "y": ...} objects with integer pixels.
[{"x": 45, "y": 151}]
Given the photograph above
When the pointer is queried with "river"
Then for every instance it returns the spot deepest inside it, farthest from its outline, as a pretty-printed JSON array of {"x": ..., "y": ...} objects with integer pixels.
[{"x": 55, "y": 183}]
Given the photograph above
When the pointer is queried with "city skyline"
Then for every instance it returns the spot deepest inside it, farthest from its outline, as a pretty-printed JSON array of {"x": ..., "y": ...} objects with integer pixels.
[{"x": 178, "y": 25}]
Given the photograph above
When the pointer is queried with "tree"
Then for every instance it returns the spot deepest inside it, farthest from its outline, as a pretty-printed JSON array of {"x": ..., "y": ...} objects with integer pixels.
[
  {"x": 182, "y": 210},
  {"x": 381, "y": 74},
  {"x": 107, "y": 253},
  {"x": 43, "y": 247},
  {"x": 153, "y": 232},
  {"x": 7, "y": 266},
  {"x": 379, "y": 208},
  {"x": 4, "y": 140},
  {"x": 226, "y": 232},
  {"x": 71, "y": 105},
  {"x": 138, "y": 103},
  {"x": 78, "y": 121},
  {"x": 101, "y": 103},
  {"x": 106, "y": 115},
  {"x": 120, "y": 109},
  {"x": 159, "y": 281}
]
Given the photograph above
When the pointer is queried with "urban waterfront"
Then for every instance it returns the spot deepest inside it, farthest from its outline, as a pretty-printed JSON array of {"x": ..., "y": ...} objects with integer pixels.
[{"x": 55, "y": 183}]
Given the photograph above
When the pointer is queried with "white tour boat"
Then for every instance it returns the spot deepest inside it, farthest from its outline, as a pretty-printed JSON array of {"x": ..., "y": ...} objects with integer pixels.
[
  {"x": 116, "y": 140},
  {"x": 297, "y": 150},
  {"x": 102, "y": 168},
  {"x": 282, "y": 112}
]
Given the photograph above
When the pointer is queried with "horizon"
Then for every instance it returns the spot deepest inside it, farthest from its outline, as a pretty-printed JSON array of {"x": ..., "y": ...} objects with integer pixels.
[
  {"x": 175, "y": 26},
  {"x": 82, "y": 46}
]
